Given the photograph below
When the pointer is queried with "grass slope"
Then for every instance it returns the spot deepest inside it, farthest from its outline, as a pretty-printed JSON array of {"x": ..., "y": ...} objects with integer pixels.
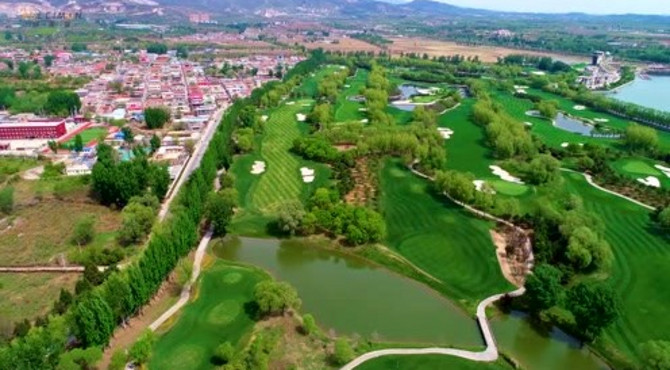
[
  {"x": 217, "y": 315},
  {"x": 640, "y": 271},
  {"x": 345, "y": 109},
  {"x": 439, "y": 237}
]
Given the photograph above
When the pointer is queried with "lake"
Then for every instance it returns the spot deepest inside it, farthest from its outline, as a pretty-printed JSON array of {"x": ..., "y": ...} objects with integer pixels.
[
  {"x": 350, "y": 295},
  {"x": 652, "y": 93}
]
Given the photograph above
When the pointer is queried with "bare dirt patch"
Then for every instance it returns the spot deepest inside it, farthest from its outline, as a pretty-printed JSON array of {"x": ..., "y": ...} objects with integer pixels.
[
  {"x": 364, "y": 188},
  {"x": 512, "y": 253}
]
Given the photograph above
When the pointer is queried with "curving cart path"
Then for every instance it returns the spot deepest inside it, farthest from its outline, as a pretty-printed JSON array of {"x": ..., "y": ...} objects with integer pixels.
[
  {"x": 488, "y": 355},
  {"x": 589, "y": 179}
]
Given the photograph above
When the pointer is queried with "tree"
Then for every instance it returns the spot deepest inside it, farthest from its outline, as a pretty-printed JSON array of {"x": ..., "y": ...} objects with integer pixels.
[
  {"x": 157, "y": 48},
  {"x": 7, "y": 95},
  {"x": 664, "y": 217},
  {"x": 80, "y": 359},
  {"x": 22, "y": 328},
  {"x": 84, "y": 231},
  {"x": 640, "y": 138},
  {"x": 48, "y": 60},
  {"x": 94, "y": 320},
  {"x": 543, "y": 168},
  {"x": 128, "y": 135},
  {"x": 343, "y": 352},
  {"x": 656, "y": 355},
  {"x": 308, "y": 324},
  {"x": 595, "y": 306},
  {"x": 78, "y": 47},
  {"x": 53, "y": 145},
  {"x": 62, "y": 103},
  {"x": 547, "y": 108},
  {"x": 275, "y": 298},
  {"x": 587, "y": 250},
  {"x": 543, "y": 287},
  {"x": 156, "y": 117},
  {"x": 138, "y": 219},
  {"x": 64, "y": 301},
  {"x": 224, "y": 353},
  {"x": 7, "y": 200},
  {"x": 155, "y": 143},
  {"x": 118, "y": 361},
  {"x": 78, "y": 144},
  {"x": 290, "y": 218},
  {"x": 220, "y": 208},
  {"x": 182, "y": 51},
  {"x": 141, "y": 351}
]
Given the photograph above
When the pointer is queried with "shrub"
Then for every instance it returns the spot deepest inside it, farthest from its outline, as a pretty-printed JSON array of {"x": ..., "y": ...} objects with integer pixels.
[{"x": 84, "y": 231}]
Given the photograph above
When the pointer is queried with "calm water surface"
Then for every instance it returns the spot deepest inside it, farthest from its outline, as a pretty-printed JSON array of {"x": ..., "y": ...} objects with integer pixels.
[{"x": 653, "y": 93}]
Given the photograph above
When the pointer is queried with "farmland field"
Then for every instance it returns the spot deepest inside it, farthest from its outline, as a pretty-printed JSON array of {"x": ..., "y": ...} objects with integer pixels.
[
  {"x": 439, "y": 237},
  {"x": 217, "y": 315},
  {"x": 642, "y": 260}
]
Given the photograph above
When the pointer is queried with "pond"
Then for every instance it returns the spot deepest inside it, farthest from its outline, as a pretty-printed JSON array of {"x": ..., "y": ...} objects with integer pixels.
[
  {"x": 570, "y": 124},
  {"x": 553, "y": 350},
  {"x": 349, "y": 295}
]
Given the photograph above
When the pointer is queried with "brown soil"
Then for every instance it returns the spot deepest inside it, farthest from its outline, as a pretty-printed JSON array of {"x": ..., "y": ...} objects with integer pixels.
[
  {"x": 344, "y": 147},
  {"x": 363, "y": 188},
  {"x": 513, "y": 266},
  {"x": 126, "y": 335}
]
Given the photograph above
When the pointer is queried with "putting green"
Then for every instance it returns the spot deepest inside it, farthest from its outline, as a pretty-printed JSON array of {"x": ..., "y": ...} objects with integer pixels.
[
  {"x": 216, "y": 316},
  {"x": 508, "y": 188},
  {"x": 638, "y": 167}
]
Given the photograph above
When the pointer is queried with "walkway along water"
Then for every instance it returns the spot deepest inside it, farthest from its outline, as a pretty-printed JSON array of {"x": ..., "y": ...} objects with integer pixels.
[{"x": 491, "y": 352}]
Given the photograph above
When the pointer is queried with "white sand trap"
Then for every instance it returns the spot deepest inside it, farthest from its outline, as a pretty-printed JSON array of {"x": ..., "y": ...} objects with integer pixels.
[
  {"x": 539, "y": 73},
  {"x": 663, "y": 169},
  {"x": 528, "y": 123},
  {"x": 300, "y": 117},
  {"x": 505, "y": 176},
  {"x": 445, "y": 132},
  {"x": 479, "y": 186},
  {"x": 517, "y": 87},
  {"x": 264, "y": 118},
  {"x": 521, "y": 91},
  {"x": 308, "y": 179},
  {"x": 347, "y": 86},
  {"x": 533, "y": 113},
  {"x": 364, "y": 120},
  {"x": 362, "y": 109},
  {"x": 258, "y": 168},
  {"x": 307, "y": 174},
  {"x": 565, "y": 145},
  {"x": 651, "y": 181},
  {"x": 290, "y": 103},
  {"x": 602, "y": 120},
  {"x": 579, "y": 107}
]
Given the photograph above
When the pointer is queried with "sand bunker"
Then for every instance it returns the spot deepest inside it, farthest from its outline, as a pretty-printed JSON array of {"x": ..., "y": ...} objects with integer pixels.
[
  {"x": 579, "y": 107},
  {"x": 307, "y": 174},
  {"x": 290, "y": 103},
  {"x": 602, "y": 120},
  {"x": 347, "y": 86},
  {"x": 362, "y": 109},
  {"x": 528, "y": 123},
  {"x": 258, "y": 168},
  {"x": 479, "y": 186},
  {"x": 539, "y": 73},
  {"x": 533, "y": 113},
  {"x": 264, "y": 118},
  {"x": 300, "y": 117},
  {"x": 665, "y": 170},
  {"x": 651, "y": 181},
  {"x": 445, "y": 132},
  {"x": 504, "y": 175},
  {"x": 364, "y": 120}
]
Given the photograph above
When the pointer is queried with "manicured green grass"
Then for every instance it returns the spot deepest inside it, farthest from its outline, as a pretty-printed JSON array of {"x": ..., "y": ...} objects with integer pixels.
[
  {"x": 543, "y": 128},
  {"x": 427, "y": 362},
  {"x": 467, "y": 150},
  {"x": 261, "y": 196},
  {"x": 439, "y": 237},
  {"x": 568, "y": 106},
  {"x": 639, "y": 167},
  {"x": 345, "y": 109},
  {"x": 640, "y": 271},
  {"x": 218, "y": 314},
  {"x": 310, "y": 85},
  {"x": 88, "y": 135}
]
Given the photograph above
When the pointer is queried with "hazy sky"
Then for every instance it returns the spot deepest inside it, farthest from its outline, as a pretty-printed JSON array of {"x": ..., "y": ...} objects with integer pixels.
[{"x": 566, "y": 6}]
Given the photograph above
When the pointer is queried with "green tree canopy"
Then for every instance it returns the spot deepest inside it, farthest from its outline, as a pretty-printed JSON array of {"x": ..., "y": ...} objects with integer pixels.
[
  {"x": 156, "y": 117},
  {"x": 275, "y": 298},
  {"x": 595, "y": 307}
]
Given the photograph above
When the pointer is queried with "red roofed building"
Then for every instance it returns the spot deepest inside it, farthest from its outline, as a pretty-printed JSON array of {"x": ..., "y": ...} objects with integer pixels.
[{"x": 32, "y": 130}]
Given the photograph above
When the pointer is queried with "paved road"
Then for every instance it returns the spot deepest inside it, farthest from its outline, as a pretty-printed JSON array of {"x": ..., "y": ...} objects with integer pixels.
[{"x": 193, "y": 161}]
